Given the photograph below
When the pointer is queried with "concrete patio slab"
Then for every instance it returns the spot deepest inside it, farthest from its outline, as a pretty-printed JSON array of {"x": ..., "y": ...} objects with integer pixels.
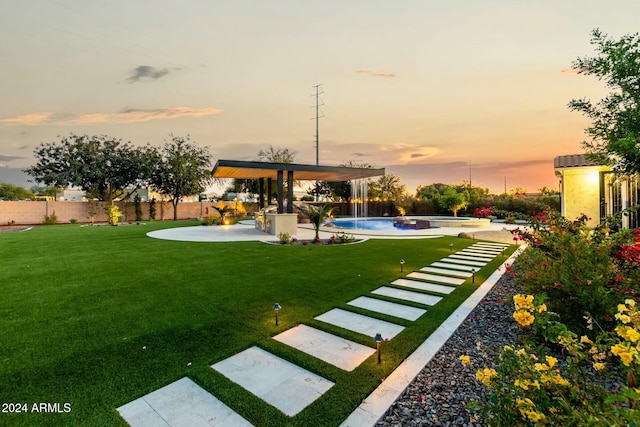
[
  {"x": 181, "y": 403},
  {"x": 418, "y": 297},
  {"x": 391, "y": 308},
  {"x": 491, "y": 250},
  {"x": 478, "y": 253},
  {"x": 282, "y": 384},
  {"x": 493, "y": 244},
  {"x": 337, "y": 351},
  {"x": 358, "y": 323},
  {"x": 446, "y": 271},
  {"x": 436, "y": 278},
  {"x": 424, "y": 286},
  {"x": 464, "y": 261},
  {"x": 454, "y": 266}
]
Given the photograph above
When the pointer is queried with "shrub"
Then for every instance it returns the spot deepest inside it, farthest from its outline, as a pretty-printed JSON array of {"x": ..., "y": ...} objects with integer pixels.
[
  {"x": 73, "y": 221},
  {"x": 342, "y": 237},
  {"x": 211, "y": 219},
  {"x": 285, "y": 238},
  {"x": 114, "y": 214},
  {"x": 595, "y": 384},
  {"x": 138, "y": 207},
  {"x": 152, "y": 208},
  {"x": 51, "y": 219}
]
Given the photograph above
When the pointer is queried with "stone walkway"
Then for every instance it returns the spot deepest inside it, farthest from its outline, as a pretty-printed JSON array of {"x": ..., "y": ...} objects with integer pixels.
[{"x": 291, "y": 388}]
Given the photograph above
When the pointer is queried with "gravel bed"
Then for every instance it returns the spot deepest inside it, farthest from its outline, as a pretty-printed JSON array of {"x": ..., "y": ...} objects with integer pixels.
[{"x": 438, "y": 396}]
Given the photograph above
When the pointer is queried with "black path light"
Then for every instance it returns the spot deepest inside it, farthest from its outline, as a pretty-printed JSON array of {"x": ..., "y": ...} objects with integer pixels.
[
  {"x": 378, "y": 339},
  {"x": 450, "y": 247},
  {"x": 401, "y": 265},
  {"x": 277, "y": 308},
  {"x": 473, "y": 275}
]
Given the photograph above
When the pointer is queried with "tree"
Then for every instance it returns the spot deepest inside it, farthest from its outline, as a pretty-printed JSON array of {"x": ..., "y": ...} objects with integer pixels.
[
  {"x": 453, "y": 200},
  {"x": 339, "y": 190},
  {"x": 615, "y": 128},
  {"x": 316, "y": 215},
  {"x": 387, "y": 187},
  {"x": 13, "y": 192},
  {"x": 103, "y": 166},
  {"x": 45, "y": 191},
  {"x": 183, "y": 169}
]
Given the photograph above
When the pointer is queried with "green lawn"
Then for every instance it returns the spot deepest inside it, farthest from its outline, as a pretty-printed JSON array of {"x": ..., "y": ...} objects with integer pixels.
[{"x": 99, "y": 316}]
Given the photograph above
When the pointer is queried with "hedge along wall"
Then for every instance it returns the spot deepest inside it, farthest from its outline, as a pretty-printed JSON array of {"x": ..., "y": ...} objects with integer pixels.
[{"x": 28, "y": 212}]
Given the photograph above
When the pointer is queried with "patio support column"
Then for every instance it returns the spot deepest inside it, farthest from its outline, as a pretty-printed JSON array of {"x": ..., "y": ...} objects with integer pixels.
[
  {"x": 280, "y": 191},
  {"x": 290, "y": 192},
  {"x": 260, "y": 193},
  {"x": 269, "y": 190}
]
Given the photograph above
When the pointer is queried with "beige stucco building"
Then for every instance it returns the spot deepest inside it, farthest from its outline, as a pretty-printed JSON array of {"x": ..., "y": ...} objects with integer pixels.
[{"x": 594, "y": 190}]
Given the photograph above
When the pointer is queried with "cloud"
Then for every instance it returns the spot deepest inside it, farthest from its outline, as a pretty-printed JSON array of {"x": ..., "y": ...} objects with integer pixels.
[
  {"x": 406, "y": 153},
  {"x": 27, "y": 119},
  {"x": 126, "y": 115},
  {"x": 360, "y": 155},
  {"x": 375, "y": 73},
  {"x": 146, "y": 73},
  {"x": 9, "y": 158}
]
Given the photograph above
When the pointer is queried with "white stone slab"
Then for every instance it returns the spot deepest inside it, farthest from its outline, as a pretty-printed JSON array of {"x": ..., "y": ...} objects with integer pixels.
[
  {"x": 446, "y": 271},
  {"x": 454, "y": 266},
  {"x": 477, "y": 253},
  {"x": 391, "y": 308},
  {"x": 487, "y": 249},
  {"x": 337, "y": 351},
  {"x": 282, "y": 384},
  {"x": 463, "y": 261},
  {"x": 181, "y": 403},
  {"x": 493, "y": 244},
  {"x": 436, "y": 278},
  {"x": 418, "y": 297},
  {"x": 362, "y": 324},
  {"x": 424, "y": 286}
]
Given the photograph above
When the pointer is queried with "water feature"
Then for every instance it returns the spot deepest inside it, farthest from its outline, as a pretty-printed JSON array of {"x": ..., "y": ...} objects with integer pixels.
[{"x": 359, "y": 190}]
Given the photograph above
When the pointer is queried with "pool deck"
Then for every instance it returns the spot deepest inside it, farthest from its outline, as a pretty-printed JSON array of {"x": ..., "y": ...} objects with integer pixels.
[{"x": 246, "y": 231}]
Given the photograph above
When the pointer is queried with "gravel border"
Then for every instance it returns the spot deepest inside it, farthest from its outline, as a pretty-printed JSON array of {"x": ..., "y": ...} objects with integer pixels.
[{"x": 439, "y": 394}]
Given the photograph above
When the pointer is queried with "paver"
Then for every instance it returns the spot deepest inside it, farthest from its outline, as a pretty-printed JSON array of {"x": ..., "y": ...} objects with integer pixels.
[
  {"x": 359, "y": 323},
  {"x": 436, "y": 278},
  {"x": 337, "y": 351},
  {"x": 402, "y": 311},
  {"x": 454, "y": 266},
  {"x": 418, "y": 297},
  {"x": 181, "y": 403},
  {"x": 424, "y": 286},
  {"x": 446, "y": 271},
  {"x": 278, "y": 382},
  {"x": 462, "y": 259}
]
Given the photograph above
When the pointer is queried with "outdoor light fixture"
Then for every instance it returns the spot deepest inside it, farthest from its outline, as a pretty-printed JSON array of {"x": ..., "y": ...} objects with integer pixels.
[
  {"x": 378, "y": 339},
  {"x": 277, "y": 308},
  {"x": 401, "y": 264},
  {"x": 473, "y": 275},
  {"x": 451, "y": 247}
]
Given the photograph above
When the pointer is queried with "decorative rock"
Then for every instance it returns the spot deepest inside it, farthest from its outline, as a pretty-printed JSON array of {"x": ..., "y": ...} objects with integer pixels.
[{"x": 464, "y": 235}]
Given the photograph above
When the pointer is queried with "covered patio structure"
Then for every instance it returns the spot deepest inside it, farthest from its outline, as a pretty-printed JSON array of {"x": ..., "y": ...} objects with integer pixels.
[{"x": 284, "y": 221}]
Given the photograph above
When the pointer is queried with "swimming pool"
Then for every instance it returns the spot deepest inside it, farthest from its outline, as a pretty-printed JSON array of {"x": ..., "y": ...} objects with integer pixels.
[{"x": 386, "y": 224}]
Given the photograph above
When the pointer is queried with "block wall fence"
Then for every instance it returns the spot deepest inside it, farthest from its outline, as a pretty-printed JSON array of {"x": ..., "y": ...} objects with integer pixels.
[{"x": 32, "y": 213}]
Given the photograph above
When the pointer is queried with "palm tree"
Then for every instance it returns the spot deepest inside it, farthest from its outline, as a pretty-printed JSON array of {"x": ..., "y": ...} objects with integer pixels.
[{"x": 317, "y": 215}]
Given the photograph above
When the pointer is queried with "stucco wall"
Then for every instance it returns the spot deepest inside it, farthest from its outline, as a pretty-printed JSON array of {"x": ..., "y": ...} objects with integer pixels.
[
  {"x": 34, "y": 212},
  {"x": 581, "y": 193}
]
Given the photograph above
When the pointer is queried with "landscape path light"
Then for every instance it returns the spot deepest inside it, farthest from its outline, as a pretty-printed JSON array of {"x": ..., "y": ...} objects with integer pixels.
[
  {"x": 401, "y": 265},
  {"x": 473, "y": 275},
  {"x": 276, "y": 308},
  {"x": 450, "y": 247},
  {"x": 378, "y": 339}
]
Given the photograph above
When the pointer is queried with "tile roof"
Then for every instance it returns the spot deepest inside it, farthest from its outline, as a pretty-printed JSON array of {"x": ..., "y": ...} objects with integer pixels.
[{"x": 572, "y": 160}]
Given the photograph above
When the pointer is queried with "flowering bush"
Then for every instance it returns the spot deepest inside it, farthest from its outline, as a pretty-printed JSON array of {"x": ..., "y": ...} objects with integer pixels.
[
  {"x": 579, "y": 269},
  {"x": 114, "y": 214},
  {"x": 595, "y": 384},
  {"x": 483, "y": 212}
]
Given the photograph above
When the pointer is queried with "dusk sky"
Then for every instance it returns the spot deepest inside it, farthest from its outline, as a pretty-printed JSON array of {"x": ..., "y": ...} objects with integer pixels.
[{"x": 421, "y": 88}]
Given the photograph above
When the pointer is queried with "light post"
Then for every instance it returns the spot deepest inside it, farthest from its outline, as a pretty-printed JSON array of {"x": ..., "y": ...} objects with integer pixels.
[
  {"x": 450, "y": 247},
  {"x": 276, "y": 308},
  {"x": 473, "y": 275},
  {"x": 378, "y": 339},
  {"x": 401, "y": 265}
]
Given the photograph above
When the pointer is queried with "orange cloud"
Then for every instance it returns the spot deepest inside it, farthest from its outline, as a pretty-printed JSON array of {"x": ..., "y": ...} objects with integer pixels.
[
  {"x": 27, "y": 119},
  {"x": 127, "y": 115},
  {"x": 411, "y": 153},
  {"x": 375, "y": 73}
]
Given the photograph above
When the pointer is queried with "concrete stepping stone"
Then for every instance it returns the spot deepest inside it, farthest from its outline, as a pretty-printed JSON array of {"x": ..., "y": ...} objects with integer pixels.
[
  {"x": 334, "y": 350},
  {"x": 436, "y": 278},
  {"x": 454, "y": 266},
  {"x": 486, "y": 249},
  {"x": 282, "y": 384},
  {"x": 181, "y": 403},
  {"x": 446, "y": 271},
  {"x": 391, "y": 308},
  {"x": 463, "y": 261},
  {"x": 476, "y": 255},
  {"x": 418, "y": 297},
  {"x": 358, "y": 323},
  {"x": 424, "y": 286},
  {"x": 480, "y": 252},
  {"x": 492, "y": 244}
]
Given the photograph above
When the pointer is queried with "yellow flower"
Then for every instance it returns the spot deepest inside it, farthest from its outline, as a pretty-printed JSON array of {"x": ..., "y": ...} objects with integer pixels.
[
  {"x": 631, "y": 303},
  {"x": 561, "y": 381},
  {"x": 507, "y": 348},
  {"x": 523, "y": 384},
  {"x": 551, "y": 361},
  {"x": 624, "y": 318},
  {"x": 625, "y": 353},
  {"x": 541, "y": 367},
  {"x": 523, "y": 302},
  {"x": 465, "y": 359},
  {"x": 542, "y": 308},
  {"x": 599, "y": 366},
  {"x": 535, "y": 416},
  {"x": 523, "y": 317},
  {"x": 485, "y": 375},
  {"x": 622, "y": 308},
  {"x": 521, "y": 352},
  {"x": 585, "y": 339}
]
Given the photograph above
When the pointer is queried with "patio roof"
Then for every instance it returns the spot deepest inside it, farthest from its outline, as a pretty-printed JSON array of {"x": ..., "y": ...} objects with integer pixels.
[{"x": 252, "y": 170}]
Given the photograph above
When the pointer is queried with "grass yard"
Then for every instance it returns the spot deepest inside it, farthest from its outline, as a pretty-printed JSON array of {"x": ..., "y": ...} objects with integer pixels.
[{"x": 95, "y": 317}]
